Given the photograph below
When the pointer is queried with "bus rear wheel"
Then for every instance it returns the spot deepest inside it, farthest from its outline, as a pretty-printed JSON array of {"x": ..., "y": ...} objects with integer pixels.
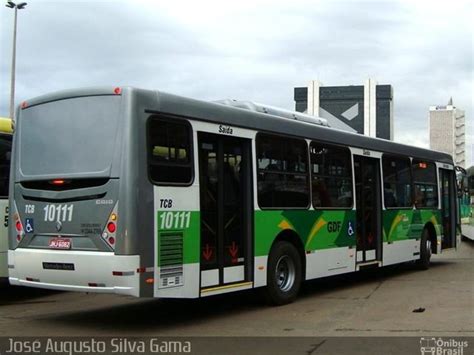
[
  {"x": 284, "y": 274},
  {"x": 425, "y": 250}
]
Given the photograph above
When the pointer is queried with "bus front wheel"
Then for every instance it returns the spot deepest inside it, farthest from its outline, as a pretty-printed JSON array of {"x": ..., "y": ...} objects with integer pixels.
[
  {"x": 284, "y": 274},
  {"x": 425, "y": 250}
]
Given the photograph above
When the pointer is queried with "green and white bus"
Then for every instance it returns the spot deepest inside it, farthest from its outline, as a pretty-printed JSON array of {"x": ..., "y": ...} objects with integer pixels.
[
  {"x": 149, "y": 194},
  {"x": 466, "y": 201},
  {"x": 5, "y": 151}
]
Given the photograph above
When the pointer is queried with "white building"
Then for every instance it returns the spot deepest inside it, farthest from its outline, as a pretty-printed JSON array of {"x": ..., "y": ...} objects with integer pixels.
[{"x": 447, "y": 131}]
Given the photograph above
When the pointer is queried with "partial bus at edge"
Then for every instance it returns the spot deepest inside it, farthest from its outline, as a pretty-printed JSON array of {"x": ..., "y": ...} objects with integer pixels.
[
  {"x": 466, "y": 201},
  {"x": 144, "y": 193},
  {"x": 5, "y": 152}
]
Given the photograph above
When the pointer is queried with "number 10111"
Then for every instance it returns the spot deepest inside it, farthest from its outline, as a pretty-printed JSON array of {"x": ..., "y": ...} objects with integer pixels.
[
  {"x": 61, "y": 213},
  {"x": 174, "y": 220}
]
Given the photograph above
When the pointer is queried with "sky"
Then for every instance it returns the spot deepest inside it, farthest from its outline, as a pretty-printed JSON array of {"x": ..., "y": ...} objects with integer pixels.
[{"x": 256, "y": 50}]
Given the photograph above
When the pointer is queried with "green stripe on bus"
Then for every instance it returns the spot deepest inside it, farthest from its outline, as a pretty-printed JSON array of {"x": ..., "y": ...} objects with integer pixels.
[{"x": 317, "y": 229}]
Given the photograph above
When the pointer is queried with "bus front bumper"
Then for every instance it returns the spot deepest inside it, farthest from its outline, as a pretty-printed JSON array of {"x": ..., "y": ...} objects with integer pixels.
[{"x": 102, "y": 272}]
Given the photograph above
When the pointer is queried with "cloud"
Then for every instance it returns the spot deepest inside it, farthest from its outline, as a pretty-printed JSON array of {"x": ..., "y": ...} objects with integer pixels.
[{"x": 257, "y": 50}]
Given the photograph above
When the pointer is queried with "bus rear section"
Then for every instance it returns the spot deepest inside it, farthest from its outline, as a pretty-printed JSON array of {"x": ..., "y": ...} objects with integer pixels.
[{"x": 66, "y": 231}]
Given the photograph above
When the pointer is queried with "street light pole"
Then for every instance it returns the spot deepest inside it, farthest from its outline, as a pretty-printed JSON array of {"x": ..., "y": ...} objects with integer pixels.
[
  {"x": 16, "y": 7},
  {"x": 12, "y": 82}
]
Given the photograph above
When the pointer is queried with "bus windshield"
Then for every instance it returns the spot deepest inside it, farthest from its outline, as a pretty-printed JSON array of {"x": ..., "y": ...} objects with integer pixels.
[{"x": 69, "y": 137}]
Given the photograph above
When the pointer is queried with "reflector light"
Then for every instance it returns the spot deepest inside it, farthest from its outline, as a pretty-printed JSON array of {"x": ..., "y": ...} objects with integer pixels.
[
  {"x": 92, "y": 284},
  {"x": 141, "y": 270},
  {"x": 117, "y": 273},
  {"x": 18, "y": 237},
  {"x": 111, "y": 227},
  {"x": 117, "y": 91},
  {"x": 112, "y": 240}
]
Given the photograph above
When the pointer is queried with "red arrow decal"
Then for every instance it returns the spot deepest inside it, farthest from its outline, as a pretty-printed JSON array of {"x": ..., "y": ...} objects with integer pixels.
[
  {"x": 207, "y": 253},
  {"x": 233, "y": 250}
]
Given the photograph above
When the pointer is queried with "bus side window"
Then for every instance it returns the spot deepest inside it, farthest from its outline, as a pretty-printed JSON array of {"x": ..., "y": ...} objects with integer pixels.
[
  {"x": 283, "y": 180},
  {"x": 425, "y": 184},
  {"x": 169, "y": 151},
  {"x": 397, "y": 182},
  {"x": 331, "y": 176}
]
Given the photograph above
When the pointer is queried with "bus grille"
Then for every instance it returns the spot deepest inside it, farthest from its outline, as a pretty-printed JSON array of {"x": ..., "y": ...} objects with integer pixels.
[{"x": 171, "y": 259}]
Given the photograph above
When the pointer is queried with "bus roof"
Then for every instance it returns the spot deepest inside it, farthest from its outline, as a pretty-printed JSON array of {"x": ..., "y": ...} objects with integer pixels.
[
  {"x": 161, "y": 102},
  {"x": 219, "y": 113}
]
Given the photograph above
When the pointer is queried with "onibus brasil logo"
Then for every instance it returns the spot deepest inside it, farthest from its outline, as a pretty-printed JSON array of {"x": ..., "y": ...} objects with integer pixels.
[{"x": 440, "y": 346}]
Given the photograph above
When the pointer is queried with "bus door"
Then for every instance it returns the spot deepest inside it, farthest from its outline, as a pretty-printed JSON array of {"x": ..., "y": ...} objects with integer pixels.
[
  {"x": 368, "y": 205},
  {"x": 448, "y": 208},
  {"x": 226, "y": 210}
]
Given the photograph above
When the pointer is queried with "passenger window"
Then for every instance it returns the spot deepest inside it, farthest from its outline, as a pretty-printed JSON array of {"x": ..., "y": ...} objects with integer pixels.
[
  {"x": 282, "y": 165},
  {"x": 425, "y": 184},
  {"x": 331, "y": 176},
  {"x": 397, "y": 182},
  {"x": 169, "y": 151}
]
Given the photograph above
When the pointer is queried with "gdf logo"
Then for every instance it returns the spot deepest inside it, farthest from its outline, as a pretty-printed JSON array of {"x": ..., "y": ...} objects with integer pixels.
[{"x": 334, "y": 227}]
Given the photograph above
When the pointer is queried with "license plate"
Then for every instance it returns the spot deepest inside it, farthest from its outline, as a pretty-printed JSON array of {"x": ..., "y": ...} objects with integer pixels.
[
  {"x": 60, "y": 243},
  {"x": 58, "y": 266}
]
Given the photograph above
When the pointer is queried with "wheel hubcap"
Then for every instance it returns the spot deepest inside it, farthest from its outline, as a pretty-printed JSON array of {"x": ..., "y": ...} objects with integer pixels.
[
  {"x": 285, "y": 273},
  {"x": 428, "y": 248}
]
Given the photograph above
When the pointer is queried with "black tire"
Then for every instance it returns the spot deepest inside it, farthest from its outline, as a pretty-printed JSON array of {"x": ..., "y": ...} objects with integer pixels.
[
  {"x": 425, "y": 250},
  {"x": 284, "y": 274}
]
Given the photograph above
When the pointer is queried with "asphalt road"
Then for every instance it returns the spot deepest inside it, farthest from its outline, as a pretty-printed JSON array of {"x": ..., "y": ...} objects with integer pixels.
[{"x": 374, "y": 303}]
